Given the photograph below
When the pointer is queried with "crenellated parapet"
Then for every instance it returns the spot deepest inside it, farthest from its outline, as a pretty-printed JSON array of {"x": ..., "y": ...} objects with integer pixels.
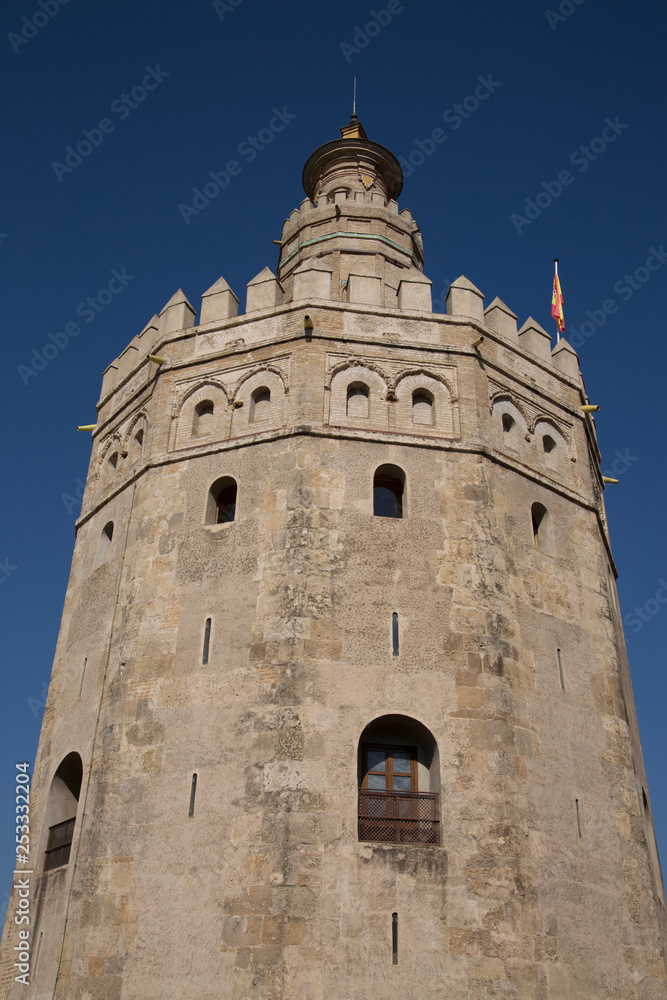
[{"x": 222, "y": 325}]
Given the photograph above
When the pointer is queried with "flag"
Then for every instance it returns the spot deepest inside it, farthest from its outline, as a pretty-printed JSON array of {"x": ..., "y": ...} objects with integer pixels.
[{"x": 557, "y": 303}]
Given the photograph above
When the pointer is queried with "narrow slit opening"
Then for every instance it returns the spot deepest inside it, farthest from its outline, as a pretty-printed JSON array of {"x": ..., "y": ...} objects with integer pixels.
[
  {"x": 394, "y": 634},
  {"x": 39, "y": 945},
  {"x": 560, "y": 670},
  {"x": 576, "y": 802},
  {"x": 83, "y": 675},
  {"x": 394, "y": 939},
  {"x": 207, "y": 641},
  {"x": 193, "y": 792}
]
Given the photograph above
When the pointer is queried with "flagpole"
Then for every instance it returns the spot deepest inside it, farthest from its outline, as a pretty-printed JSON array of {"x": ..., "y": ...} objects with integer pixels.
[{"x": 557, "y": 326}]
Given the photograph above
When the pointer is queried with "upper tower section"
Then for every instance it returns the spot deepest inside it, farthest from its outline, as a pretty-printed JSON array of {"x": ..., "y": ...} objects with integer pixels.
[{"x": 348, "y": 238}]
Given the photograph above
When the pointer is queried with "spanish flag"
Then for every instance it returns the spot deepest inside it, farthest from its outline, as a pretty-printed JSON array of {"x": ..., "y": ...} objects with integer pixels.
[{"x": 557, "y": 302}]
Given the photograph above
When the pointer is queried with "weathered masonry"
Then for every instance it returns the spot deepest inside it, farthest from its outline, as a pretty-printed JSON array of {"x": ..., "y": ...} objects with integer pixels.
[{"x": 340, "y": 708}]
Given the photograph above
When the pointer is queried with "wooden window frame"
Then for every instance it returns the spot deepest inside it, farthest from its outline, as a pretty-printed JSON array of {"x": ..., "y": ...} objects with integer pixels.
[
  {"x": 57, "y": 854},
  {"x": 389, "y": 749}
]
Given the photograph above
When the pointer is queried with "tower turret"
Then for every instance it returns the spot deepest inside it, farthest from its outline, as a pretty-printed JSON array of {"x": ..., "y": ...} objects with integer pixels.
[{"x": 350, "y": 223}]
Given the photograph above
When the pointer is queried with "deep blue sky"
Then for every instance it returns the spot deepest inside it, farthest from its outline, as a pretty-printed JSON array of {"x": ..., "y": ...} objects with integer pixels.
[{"x": 61, "y": 239}]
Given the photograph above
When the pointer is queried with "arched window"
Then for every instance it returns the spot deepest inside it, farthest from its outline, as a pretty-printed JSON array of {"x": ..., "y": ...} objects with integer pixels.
[
  {"x": 357, "y": 400},
  {"x": 423, "y": 408},
  {"x": 508, "y": 423},
  {"x": 548, "y": 444},
  {"x": 541, "y": 525},
  {"x": 388, "y": 491},
  {"x": 221, "y": 505},
  {"x": 399, "y": 782},
  {"x": 104, "y": 544},
  {"x": 61, "y": 809},
  {"x": 202, "y": 418},
  {"x": 260, "y": 404}
]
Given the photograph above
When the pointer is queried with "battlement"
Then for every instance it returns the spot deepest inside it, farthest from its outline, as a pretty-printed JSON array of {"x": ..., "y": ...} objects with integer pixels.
[{"x": 312, "y": 284}]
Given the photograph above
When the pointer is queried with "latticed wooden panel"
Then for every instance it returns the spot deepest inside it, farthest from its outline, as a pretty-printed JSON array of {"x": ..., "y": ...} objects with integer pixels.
[
  {"x": 59, "y": 844},
  {"x": 399, "y": 817}
]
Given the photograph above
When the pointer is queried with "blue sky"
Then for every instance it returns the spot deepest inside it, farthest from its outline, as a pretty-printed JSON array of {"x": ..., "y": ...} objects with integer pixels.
[{"x": 572, "y": 87}]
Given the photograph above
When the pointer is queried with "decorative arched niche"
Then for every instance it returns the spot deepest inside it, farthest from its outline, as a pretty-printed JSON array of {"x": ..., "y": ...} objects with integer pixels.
[
  {"x": 260, "y": 402},
  {"x": 135, "y": 441},
  {"x": 398, "y": 778},
  {"x": 203, "y": 416},
  {"x": 111, "y": 465},
  {"x": 509, "y": 424},
  {"x": 424, "y": 405},
  {"x": 61, "y": 811},
  {"x": 358, "y": 398},
  {"x": 551, "y": 446}
]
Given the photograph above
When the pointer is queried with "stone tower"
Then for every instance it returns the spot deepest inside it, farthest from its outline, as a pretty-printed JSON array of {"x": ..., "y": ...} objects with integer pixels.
[{"x": 340, "y": 707}]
